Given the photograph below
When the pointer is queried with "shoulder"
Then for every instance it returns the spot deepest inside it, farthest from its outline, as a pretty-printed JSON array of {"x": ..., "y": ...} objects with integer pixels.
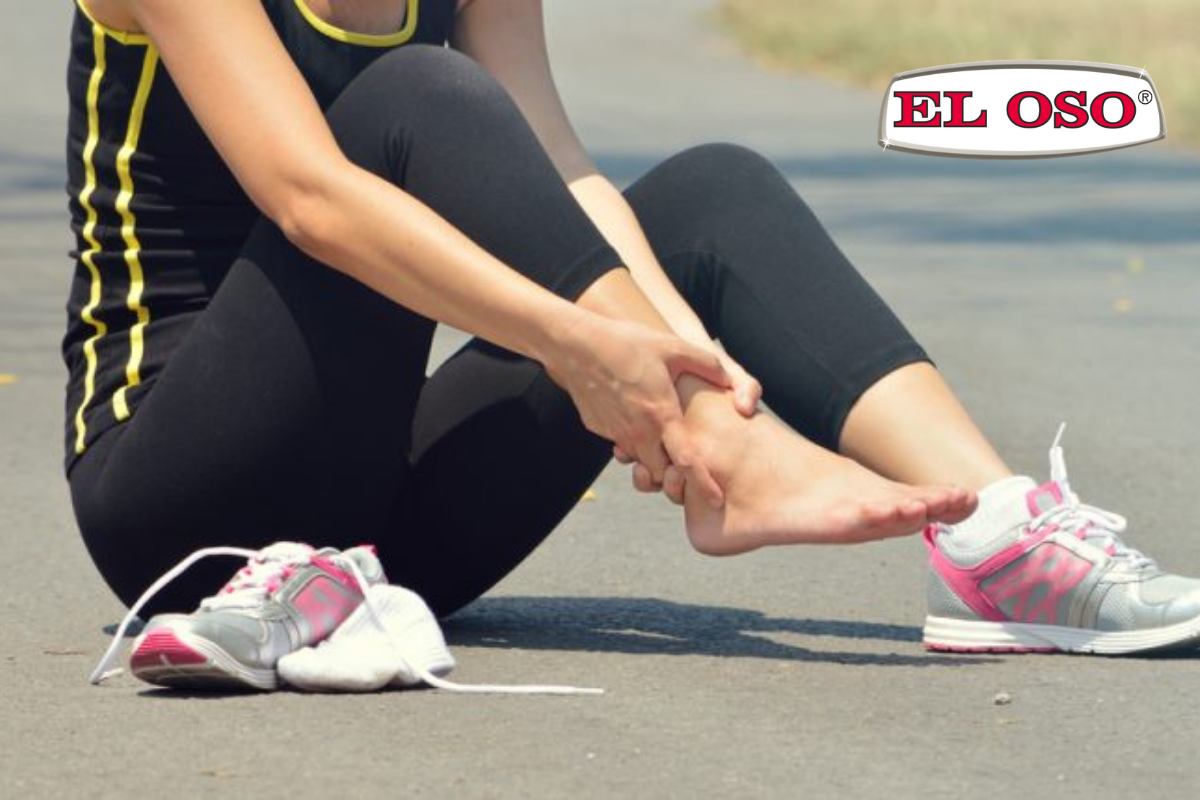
[{"x": 115, "y": 15}]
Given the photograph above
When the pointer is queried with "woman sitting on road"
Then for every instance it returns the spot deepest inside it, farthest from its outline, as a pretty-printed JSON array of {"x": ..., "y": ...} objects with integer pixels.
[{"x": 275, "y": 200}]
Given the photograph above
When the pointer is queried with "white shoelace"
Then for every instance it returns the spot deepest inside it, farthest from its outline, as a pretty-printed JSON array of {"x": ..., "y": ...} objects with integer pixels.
[
  {"x": 466, "y": 688},
  {"x": 1091, "y": 524},
  {"x": 253, "y": 583},
  {"x": 104, "y": 670}
]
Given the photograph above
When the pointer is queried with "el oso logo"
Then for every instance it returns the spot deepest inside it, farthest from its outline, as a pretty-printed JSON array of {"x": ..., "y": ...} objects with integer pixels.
[{"x": 1020, "y": 109}]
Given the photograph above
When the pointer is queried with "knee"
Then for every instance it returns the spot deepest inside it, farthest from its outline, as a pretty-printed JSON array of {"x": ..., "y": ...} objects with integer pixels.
[
  {"x": 728, "y": 156},
  {"x": 725, "y": 165},
  {"x": 714, "y": 181},
  {"x": 432, "y": 75},
  {"x": 417, "y": 82},
  {"x": 420, "y": 94}
]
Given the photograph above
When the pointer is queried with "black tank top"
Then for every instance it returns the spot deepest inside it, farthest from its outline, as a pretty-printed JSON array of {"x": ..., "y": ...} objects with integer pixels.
[{"x": 158, "y": 217}]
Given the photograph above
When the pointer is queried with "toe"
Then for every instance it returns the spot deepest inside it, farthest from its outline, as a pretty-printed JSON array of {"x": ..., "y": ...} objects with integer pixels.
[
  {"x": 898, "y": 518},
  {"x": 956, "y": 505}
]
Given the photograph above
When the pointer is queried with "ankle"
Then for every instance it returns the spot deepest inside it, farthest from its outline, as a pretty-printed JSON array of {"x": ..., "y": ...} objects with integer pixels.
[
  {"x": 708, "y": 411},
  {"x": 1000, "y": 512}
]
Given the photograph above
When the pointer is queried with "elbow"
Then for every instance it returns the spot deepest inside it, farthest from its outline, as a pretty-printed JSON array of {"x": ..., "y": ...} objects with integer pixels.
[
  {"x": 304, "y": 210},
  {"x": 303, "y": 218}
]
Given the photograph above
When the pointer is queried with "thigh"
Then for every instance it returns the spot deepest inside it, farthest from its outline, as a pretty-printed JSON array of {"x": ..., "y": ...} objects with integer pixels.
[
  {"x": 285, "y": 414},
  {"x": 499, "y": 457}
]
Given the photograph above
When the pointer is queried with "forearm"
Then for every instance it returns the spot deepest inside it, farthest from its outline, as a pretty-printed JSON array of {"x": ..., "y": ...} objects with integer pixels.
[
  {"x": 390, "y": 241},
  {"x": 507, "y": 38},
  {"x": 609, "y": 211},
  {"x": 393, "y": 243},
  {"x": 649, "y": 285}
]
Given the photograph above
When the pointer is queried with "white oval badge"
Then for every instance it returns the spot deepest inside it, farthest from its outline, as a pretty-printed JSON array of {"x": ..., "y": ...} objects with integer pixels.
[{"x": 1020, "y": 109}]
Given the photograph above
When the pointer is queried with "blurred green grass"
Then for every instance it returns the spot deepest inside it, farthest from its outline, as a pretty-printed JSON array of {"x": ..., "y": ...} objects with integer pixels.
[{"x": 865, "y": 42}]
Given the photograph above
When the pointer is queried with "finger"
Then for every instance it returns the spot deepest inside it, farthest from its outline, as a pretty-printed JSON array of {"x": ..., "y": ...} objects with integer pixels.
[
  {"x": 674, "y": 482},
  {"x": 655, "y": 460},
  {"x": 642, "y": 480},
  {"x": 747, "y": 397},
  {"x": 698, "y": 477},
  {"x": 696, "y": 473},
  {"x": 699, "y": 362},
  {"x": 747, "y": 391},
  {"x": 621, "y": 456}
]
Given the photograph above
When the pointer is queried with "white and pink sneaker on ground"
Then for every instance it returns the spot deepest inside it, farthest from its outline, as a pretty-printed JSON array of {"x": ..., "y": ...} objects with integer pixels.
[
  {"x": 1035, "y": 570},
  {"x": 318, "y": 620},
  {"x": 286, "y": 597}
]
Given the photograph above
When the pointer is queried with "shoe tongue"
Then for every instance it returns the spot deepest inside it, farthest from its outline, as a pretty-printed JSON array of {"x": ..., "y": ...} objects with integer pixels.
[
  {"x": 284, "y": 551},
  {"x": 1002, "y": 507}
]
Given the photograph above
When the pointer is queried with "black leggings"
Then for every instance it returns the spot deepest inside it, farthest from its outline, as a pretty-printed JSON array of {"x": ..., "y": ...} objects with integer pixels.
[{"x": 298, "y": 408}]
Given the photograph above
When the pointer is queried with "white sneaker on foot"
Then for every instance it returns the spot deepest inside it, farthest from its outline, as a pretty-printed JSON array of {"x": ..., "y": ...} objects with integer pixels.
[{"x": 1035, "y": 570}]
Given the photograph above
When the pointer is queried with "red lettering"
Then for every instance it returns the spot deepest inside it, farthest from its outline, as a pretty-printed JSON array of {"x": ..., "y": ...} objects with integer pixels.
[
  {"x": 957, "y": 113},
  {"x": 1078, "y": 110},
  {"x": 909, "y": 108},
  {"x": 1128, "y": 109},
  {"x": 1044, "y": 109}
]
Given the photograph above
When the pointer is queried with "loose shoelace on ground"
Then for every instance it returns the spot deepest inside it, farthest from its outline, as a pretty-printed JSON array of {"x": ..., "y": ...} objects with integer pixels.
[
  {"x": 263, "y": 574},
  {"x": 1090, "y": 524},
  {"x": 104, "y": 670},
  {"x": 414, "y": 667}
]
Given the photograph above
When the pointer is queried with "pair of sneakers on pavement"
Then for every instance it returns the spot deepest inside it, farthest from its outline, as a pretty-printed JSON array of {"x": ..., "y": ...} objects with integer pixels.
[
  {"x": 1033, "y": 570},
  {"x": 316, "y": 620}
]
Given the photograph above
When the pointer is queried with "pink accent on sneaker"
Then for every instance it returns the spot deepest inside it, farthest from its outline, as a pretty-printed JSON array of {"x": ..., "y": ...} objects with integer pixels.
[
  {"x": 323, "y": 606},
  {"x": 1043, "y": 498},
  {"x": 340, "y": 575},
  {"x": 930, "y": 535},
  {"x": 161, "y": 647},
  {"x": 1051, "y": 565},
  {"x": 952, "y": 648}
]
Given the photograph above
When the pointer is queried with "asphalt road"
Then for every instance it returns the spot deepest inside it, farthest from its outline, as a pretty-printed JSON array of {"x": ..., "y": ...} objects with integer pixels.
[{"x": 1064, "y": 289}]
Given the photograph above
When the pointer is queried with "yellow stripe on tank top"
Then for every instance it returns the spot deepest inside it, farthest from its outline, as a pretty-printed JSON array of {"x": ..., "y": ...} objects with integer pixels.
[
  {"x": 363, "y": 39},
  {"x": 133, "y": 248},
  {"x": 88, "y": 257}
]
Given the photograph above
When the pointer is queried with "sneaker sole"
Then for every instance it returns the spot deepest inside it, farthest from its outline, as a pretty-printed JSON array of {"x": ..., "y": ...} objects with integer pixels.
[
  {"x": 167, "y": 658},
  {"x": 971, "y": 636}
]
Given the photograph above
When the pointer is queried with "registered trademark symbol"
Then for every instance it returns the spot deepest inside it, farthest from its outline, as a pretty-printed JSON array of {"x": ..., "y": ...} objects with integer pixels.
[{"x": 1145, "y": 96}]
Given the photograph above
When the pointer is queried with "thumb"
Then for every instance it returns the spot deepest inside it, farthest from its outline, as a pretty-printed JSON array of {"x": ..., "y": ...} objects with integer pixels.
[
  {"x": 747, "y": 396},
  {"x": 688, "y": 358},
  {"x": 695, "y": 472}
]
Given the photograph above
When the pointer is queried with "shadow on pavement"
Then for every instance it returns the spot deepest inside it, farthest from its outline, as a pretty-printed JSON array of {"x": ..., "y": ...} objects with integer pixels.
[{"x": 649, "y": 626}]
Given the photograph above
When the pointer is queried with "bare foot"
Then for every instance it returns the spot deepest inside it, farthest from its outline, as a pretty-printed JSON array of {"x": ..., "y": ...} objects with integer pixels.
[{"x": 782, "y": 489}]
